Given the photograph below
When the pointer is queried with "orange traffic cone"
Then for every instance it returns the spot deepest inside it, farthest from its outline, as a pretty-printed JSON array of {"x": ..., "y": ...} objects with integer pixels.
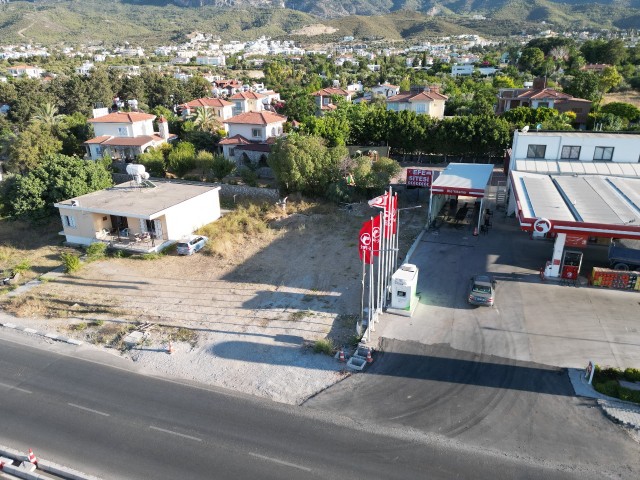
[
  {"x": 369, "y": 357},
  {"x": 475, "y": 232},
  {"x": 32, "y": 457},
  {"x": 341, "y": 356},
  {"x": 170, "y": 349}
]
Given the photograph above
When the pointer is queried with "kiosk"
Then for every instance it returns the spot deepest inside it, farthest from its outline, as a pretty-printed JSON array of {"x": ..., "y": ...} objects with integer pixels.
[{"x": 404, "y": 283}]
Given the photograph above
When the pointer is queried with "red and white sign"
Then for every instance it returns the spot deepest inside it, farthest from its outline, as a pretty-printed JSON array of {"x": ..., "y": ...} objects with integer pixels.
[
  {"x": 542, "y": 226},
  {"x": 576, "y": 240},
  {"x": 417, "y": 177},
  {"x": 467, "y": 192},
  {"x": 369, "y": 240}
]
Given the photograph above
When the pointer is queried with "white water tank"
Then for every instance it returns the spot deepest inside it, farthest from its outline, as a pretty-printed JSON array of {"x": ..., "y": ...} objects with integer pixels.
[{"x": 135, "y": 169}]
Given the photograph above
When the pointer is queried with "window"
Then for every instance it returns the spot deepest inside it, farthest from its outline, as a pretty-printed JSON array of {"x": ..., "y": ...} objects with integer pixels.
[
  {"x": 255, "y": 132},
  {"x": 603, "y": 153},
  {"x": 122, "y": 131},
  {"x": 69, "y": 221},
  {"x": 536, "y": 151},
  {"x": 572, "y": 153},
  {"x": 543, "y": 104},
  {"x": 420, "y": 108}
]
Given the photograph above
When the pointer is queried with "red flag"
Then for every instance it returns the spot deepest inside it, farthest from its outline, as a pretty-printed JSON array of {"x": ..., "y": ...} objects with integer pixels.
[
  {"x": 380, "y": 202},
  {"x": 390, "y": 216},
  {"x": 394, "y": 224},
  {"x": 369, "y": 240}
]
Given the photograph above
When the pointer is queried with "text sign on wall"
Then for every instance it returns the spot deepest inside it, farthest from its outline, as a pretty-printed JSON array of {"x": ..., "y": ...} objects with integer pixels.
[
  {"x": 576, "y": 240},
  {"x": 417, "y": 177}
]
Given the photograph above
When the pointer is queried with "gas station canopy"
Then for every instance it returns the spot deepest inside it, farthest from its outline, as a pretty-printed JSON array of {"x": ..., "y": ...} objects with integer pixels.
[
  {"x": 466, "y": 179},
  {"x": 593, "y": 205}
]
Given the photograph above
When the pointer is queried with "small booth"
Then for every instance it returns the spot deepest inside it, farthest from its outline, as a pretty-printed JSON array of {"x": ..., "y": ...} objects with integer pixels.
[
  {"x": 460, "y": 179},
  {"x": 572, "y": 209},
  {"x": 404, "y": 284}
]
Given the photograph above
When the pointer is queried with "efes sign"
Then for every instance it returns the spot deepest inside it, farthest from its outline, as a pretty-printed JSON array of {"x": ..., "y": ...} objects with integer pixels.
[{"x": 417, "y": 177}]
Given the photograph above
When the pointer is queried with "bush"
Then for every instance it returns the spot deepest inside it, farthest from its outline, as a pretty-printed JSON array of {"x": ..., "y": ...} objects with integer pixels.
[
  {"x": 249, "y": 177},
  {"x": 96, "y": 251},
  {"x": 21, "y": 267},
  {"x": 182, "y": 158},
  {"x": 632, "y": 374},
  {"x": 153, "y": 161},
  {"x": 71, "y": 262},
  {"x": 324, "y": 345},
  {"x": 221, "y": 167}
]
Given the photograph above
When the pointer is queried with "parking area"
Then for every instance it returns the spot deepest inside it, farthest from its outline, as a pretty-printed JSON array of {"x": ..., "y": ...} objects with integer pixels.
[{"x": 532, "y": 320}]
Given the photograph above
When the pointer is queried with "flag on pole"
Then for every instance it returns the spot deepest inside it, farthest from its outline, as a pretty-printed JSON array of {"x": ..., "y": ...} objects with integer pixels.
[
  {"x": 380, "y": 202},
  {"x": 366, "y": 241},
  {"x": 390, "y": 216}
]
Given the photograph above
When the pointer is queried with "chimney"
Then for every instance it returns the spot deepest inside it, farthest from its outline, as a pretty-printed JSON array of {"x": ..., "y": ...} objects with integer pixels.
[
  {"x": 434, "y": 88},
  {"x": 163, "y": 127},
  {"x": 539, "y": 83}
]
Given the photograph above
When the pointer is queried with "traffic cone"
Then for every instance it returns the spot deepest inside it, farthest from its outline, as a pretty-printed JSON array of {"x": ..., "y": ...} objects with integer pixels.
[
  {"x": 32, "y": 457},
  {"x": 341, "y": 356},
  {"x": 475, "y": 231},
  {"x": 170, "y": 349},
  {"x": 369, "y": 357}
]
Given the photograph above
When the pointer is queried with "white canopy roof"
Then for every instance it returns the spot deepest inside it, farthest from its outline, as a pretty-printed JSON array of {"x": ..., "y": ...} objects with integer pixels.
[{"x": 469, "y": 179}]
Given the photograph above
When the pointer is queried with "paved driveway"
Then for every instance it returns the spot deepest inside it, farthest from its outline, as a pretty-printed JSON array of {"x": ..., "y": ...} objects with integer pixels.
[{"x": 546, "y": 323}]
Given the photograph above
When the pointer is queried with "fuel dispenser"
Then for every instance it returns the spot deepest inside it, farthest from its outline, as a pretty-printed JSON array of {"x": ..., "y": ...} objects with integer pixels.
[
  {"x": 404, "y": 284},
  {"x": 570, "y": 266}
]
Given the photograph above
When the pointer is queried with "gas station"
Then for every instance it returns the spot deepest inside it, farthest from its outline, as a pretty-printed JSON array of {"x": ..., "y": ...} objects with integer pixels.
[{"x": 574, "y": 209}]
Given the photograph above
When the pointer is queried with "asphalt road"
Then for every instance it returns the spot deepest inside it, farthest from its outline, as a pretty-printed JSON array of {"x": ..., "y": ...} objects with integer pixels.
[{"x": 117, "y": 424}]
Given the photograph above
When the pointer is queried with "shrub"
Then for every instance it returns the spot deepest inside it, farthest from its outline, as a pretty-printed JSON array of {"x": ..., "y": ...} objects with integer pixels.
[
  {"x": 221, "y": 167},
  {"x": 323, "y": 345},
  {"x": 78, "y": 327},
  {"x": 182, "y": 158},
  {"x": 249, "y": 177},
  {"x": 71, "y": 262},
  {"x": 22, "y": 267},
  {"x": 96, "y": 251},
  {"x": 632, "y": 374}
]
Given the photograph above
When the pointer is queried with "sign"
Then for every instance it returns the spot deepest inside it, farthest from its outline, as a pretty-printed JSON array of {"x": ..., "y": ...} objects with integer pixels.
[
  {"x": 542, "y": 225},
  {"x": 570, "y": 272},
  {"x": 576, "y": 240},
  {"x": 589, "y": 371},
  {"x": 417, "y": 177}
]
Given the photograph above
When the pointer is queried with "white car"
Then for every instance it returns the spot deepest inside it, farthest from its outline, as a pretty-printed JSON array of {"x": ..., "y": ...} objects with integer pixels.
[{"x": 191, "y": 244}]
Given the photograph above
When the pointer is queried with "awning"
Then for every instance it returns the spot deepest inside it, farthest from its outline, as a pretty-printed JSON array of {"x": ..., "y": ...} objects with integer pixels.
[
  {"x": 594, "y": 205},
  {"x": 468, "y": 179}
]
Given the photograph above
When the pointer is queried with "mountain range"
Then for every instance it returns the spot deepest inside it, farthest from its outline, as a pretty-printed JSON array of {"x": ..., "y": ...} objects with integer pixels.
[{"x": 153, "y": 21}]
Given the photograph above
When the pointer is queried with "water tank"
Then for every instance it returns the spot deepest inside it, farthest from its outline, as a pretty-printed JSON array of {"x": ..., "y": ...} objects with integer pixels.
[{"x": 135, "y": 169}]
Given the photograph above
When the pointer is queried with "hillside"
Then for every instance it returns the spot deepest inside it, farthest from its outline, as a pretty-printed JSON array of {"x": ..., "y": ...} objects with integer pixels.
[{"x": 157, "y": 21}]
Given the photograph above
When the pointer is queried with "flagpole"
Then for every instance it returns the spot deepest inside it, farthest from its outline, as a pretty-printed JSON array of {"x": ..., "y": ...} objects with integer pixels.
[
  {"x": 370, "y": 262},
  {"x": 362, "y": 297},
  {"x": 389, "y": 244},
  {"x": 396, "y": 233},
  {"x": 380, "y": 259}
]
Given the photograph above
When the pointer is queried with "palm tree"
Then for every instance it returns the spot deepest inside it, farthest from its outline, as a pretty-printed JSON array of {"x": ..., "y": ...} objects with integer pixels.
[
  {"x": 205, "y": 119},
  {"x": 47, "y": 113}
]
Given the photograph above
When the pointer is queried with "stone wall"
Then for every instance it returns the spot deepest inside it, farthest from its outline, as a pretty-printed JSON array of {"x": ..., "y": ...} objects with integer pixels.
[{"x": 243, "y": 191}]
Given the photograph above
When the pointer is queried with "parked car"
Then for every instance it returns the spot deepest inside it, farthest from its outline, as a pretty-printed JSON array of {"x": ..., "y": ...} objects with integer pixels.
[
  {"x": 191, "y": 244},
  {"x": 482, "y": 290}
]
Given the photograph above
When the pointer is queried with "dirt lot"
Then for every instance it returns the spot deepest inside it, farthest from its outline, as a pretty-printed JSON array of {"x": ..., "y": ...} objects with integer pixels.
[{"x": 247, "y": 323}]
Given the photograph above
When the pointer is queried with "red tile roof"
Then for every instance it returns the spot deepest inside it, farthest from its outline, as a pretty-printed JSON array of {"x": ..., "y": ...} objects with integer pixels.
[
  {"x": 417, "y": 97},
  {"x": 207, "y": 102},
  {"x": 327, "y": 92},
  {"x": 126, "y": 141},
  {"x": 543, "y": 93},
  {"x": 97, "y": 140},
  {"x": 235, "y": 140},
  {"x": 247, "y": 96},
  {"x": 256, "y": 118},
  {"x": 123, "y": 117}
]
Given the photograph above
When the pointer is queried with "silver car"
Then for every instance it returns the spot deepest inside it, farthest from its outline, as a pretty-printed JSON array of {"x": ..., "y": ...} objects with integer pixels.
[
  {"x": 482, "y": 290},
  {"x": 191, "y": 245}
]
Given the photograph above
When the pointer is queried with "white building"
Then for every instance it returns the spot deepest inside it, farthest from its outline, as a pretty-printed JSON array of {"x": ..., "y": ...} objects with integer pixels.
[
  {"x": 25, "y": 70},
  {"x": 85, "y": 69},
  {"x": 463, "y": 70},
  {"x": 216, "y": 61},
  {"x": 251, "y": 132},
  {"x": 141, "y": 217},
  {"x": 386, "y": 89}
]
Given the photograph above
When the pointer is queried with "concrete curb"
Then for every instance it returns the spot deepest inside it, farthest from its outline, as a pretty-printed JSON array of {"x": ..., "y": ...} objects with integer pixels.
[
  {"x": 52, "y": 336},
  {"x": 43, "y": 465},
  {"x": 414, "y": 246},
  {"x": 626, "y": 413}
]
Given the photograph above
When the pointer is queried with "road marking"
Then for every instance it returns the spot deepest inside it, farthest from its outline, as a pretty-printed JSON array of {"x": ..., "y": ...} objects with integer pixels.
[
  {"x": 14, "y": 388},
  {"x": 89, "y": 409},
  {"x": 281, "y": 462},
  {"x": 175, "y": 433}
]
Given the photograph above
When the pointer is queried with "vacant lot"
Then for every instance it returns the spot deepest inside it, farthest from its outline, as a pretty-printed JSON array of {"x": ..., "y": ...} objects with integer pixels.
[{"x": 262, "y": 305}]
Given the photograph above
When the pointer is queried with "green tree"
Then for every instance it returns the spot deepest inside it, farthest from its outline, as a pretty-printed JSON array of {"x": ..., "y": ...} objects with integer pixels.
[
  {"x": 55, "y": 179},
  {"x": 531, "y": 59},
  {"x": 584, "y": 85},
  {"x": 196, "y": 87},
  {"x": 32, "y": 144},
  {"x": 47, "y": 114},
  {"x": 609, "y": 78},
  {"x": 305, "y": 164},
  {"x": 205, "y": 120},
  {"x": 154, "y": 161},
  {"x": 182, "y": 158},
  {"x": 622, "y": 110},
  {"x": 221, "y": 167}
]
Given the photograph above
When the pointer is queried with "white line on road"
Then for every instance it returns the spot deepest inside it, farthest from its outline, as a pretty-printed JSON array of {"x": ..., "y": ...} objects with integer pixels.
[
  {"x": 15, "y": 388},
  {"x": 281, "y": 462},
  {"x": 89, "y": 409},
  {"x": 175, "y": 433}
]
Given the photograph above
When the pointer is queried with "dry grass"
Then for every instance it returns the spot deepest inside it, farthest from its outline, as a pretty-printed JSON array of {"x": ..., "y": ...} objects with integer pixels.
[
  {"x": 35, "y": 305},
  {"x": 631, "y": 97}
]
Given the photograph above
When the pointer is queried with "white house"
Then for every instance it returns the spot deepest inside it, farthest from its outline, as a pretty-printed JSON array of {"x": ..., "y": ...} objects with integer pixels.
[
  {"x": 464, "y": 70},
  {"x": 21, "y": 70},
  {"x": 251, "y": 132},
  {"x": 247, "y": 101},
  {"x": 125, "y": 135},
  {"x": 142, "y": 217},
  {"x": 215, "y": 61},
  {"x": 85, "y": 68},
  {"x": 421, "y": 100},
  {"x": 221, "y": 107},
  {"x": 386, "y": 89}
]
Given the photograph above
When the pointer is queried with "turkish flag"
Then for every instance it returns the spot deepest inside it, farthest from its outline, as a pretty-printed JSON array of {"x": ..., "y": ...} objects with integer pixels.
[
  {"x": 369, "y": 240},
  {"x": 380, "y": 201}
]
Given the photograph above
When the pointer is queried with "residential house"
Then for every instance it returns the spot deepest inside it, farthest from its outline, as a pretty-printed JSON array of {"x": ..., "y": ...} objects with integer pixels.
[
  {"x": 247, "y": 101},
  {"x": 222, "y": 108},
  {"x": 226, "y": 87},
  {"x": 541, "y": 96},
  {"x": 386, "y": 89},
  {"x": 251, "y": 135},
  {"x": 270, "y": 97},
  {"x": 125, "y": 135},
  {"x": 25, "y": 70},
  {"x": 85, "y": 69},
  {"x": 464, "y": 70},
  {"x": 323, "y": 98},
  {"x": 216, "y": 61},
  {"x": 421, "y": 100},
  {"x": 140, "y": 216}
]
